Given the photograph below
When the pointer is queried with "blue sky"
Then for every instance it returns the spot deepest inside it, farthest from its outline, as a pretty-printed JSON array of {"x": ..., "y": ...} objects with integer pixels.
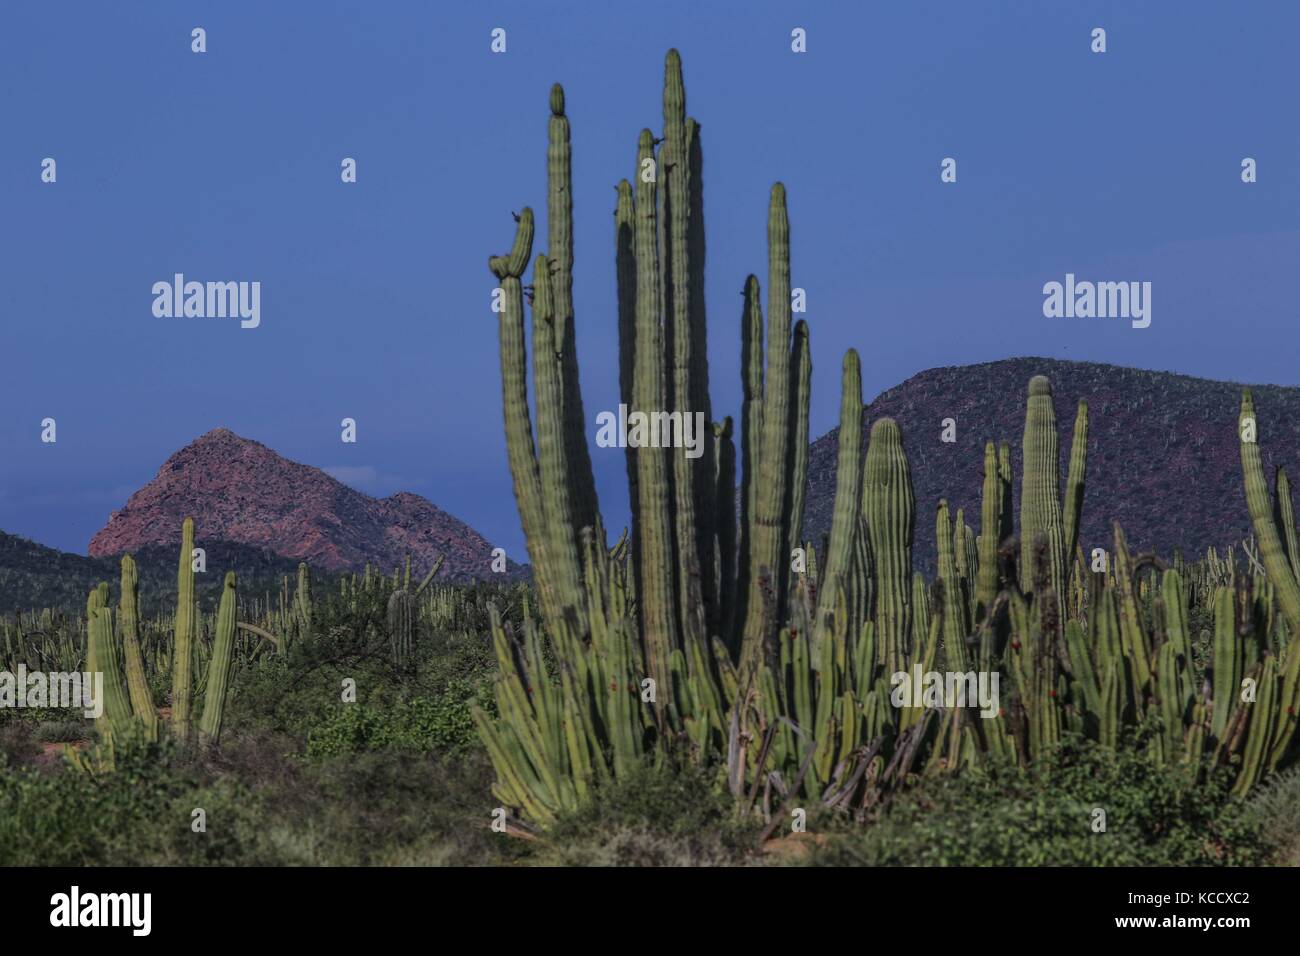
[{"x": 375, "y": 296}]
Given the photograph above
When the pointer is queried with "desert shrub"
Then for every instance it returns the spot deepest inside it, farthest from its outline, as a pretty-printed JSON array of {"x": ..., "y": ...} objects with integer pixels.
[
  {"x": 440, "y": 724},
  {"x": 60, "y": 731},
  {"x": 1000, "y": 815},
  {"x": 1275, "y": 808},
  {"x": 138, "y": 814},
  {"x": 670, "y": 815}
]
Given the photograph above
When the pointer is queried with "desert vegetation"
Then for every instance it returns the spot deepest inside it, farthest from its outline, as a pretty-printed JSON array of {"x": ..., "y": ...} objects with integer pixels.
[{"x": 711, "y": 688}]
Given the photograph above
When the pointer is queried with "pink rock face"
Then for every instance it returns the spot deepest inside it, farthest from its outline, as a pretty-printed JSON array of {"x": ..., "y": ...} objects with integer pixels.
[{"x": 239, "y": 490}]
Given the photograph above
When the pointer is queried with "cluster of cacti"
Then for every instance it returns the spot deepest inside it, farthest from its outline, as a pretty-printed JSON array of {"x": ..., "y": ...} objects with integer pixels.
[
  {"x": 729, "y": 642},
  {"x": 116, "y": 649}
]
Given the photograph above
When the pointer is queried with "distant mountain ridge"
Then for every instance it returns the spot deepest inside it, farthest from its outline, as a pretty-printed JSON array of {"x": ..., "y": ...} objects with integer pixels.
[
  {"x": 238, "y": 490},
  {"x": 1163, "y": 454},
  {"x": 33, "y": 576}
]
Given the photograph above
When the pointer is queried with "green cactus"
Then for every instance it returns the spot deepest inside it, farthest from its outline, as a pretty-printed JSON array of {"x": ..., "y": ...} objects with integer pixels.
[
  {"x": 770, "y": 524},
  {"x": 128, "y": 622},
  {"x": 102, "y": 658},
  {"x": 401, "y": 626},
  {"x": 1271, "y": 550},
  {"x": 1040, "y": 483},
  {"x": 848, "y": 500},
  {"x": 186, "y": 623},
  {"x": 889, "y": 505},
  {"x": 990, "y": 534},
  {"x": 219, "y": 667}
]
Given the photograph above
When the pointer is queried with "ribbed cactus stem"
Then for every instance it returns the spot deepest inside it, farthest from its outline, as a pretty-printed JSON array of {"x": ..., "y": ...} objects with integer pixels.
[
  {"x": 954, "y": 613},
  {"x": 302, "y": 601},
  {"x": 711, "y": 509},
  {"x": 223, "y": 658},
  {"x": 801, "y": 362},
  {"x": 580, "y": 486},
  {"x": 1271, "y": 551},
  {"x": 518, "y": 418},
  {"x": 679, "y": 342},
  {"x": 889, "y": 505},
  {"x": 1040, "y": 488},
  {"x": 1075, "y": 479},
  {"x": 848, "y": 494},
  {"x": 401, "y": 626},
  {"x": 102, "y": 658},
  {"x": 128, "y": 622},
  {"x": 552, "y": 446},
  {"x": 656, "y": 588},
  {"x": 986, "y": 590},
  {"x": 183, "y": 650},
  {"x": 769, "y": 567},
  {"x": 751, "y": 428},
  {"x": 1284, "y": 515}
]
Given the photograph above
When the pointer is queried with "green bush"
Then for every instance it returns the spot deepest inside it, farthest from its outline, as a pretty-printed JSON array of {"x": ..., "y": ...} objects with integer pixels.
[
  {"x": 1275, "y": 809},
  {"x": 672, "y": 815},
  {"x": 439, "y": 724},
  {"x": 1003, "y": 816}
]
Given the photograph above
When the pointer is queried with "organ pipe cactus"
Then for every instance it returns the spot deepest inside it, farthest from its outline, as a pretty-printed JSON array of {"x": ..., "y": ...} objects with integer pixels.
[
  {"x": 1271, "y": 550},
  {"x": 104, "y": 658},
  {"x": 219, "y": 667},
  {"x": 183, "y": 651},
  {"x": 848, "y": 501},
  {"x": 128, "y": 621},
  {"x": 889, "y": 505},
  {"x": 1040, "y": 504},
  {"x": 693, "y": 637},
  {"x": 401, "y": 626}
]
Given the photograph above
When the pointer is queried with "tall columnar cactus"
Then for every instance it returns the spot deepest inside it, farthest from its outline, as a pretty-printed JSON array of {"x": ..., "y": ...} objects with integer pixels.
[
  {"x": 954, "y": 608},
  {"x": 576, "y": 462},
  {"x": 1229, "y": 662},
  {"x": 1074, "y": 483},
  {"x": 770, "y": 532},
  {"x": 401, "y": 626},
  {"x": 751, "y": 429},
  {"x": 801, "y": 385},
  {"x": 1284, "y": 515},
  {"x": 553, "y": 445},
  {"x": 302, "y": 603},
  {"x": 889, "y": 505},
  {"x": 128, "y": 621},
  {"x": 1040, "y": 488},
  {"x": 848, "y": 496},
  {"x": 990, "y": 534},
  {"x": 656, "y": 587},
  {"x": 102, "y": 658},
  {"x": 682, "y": 326},
  {"x": 1271, "y": 550},
  {"x": 219, "y": 667},
  {"x": 183, "y": 650}
]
